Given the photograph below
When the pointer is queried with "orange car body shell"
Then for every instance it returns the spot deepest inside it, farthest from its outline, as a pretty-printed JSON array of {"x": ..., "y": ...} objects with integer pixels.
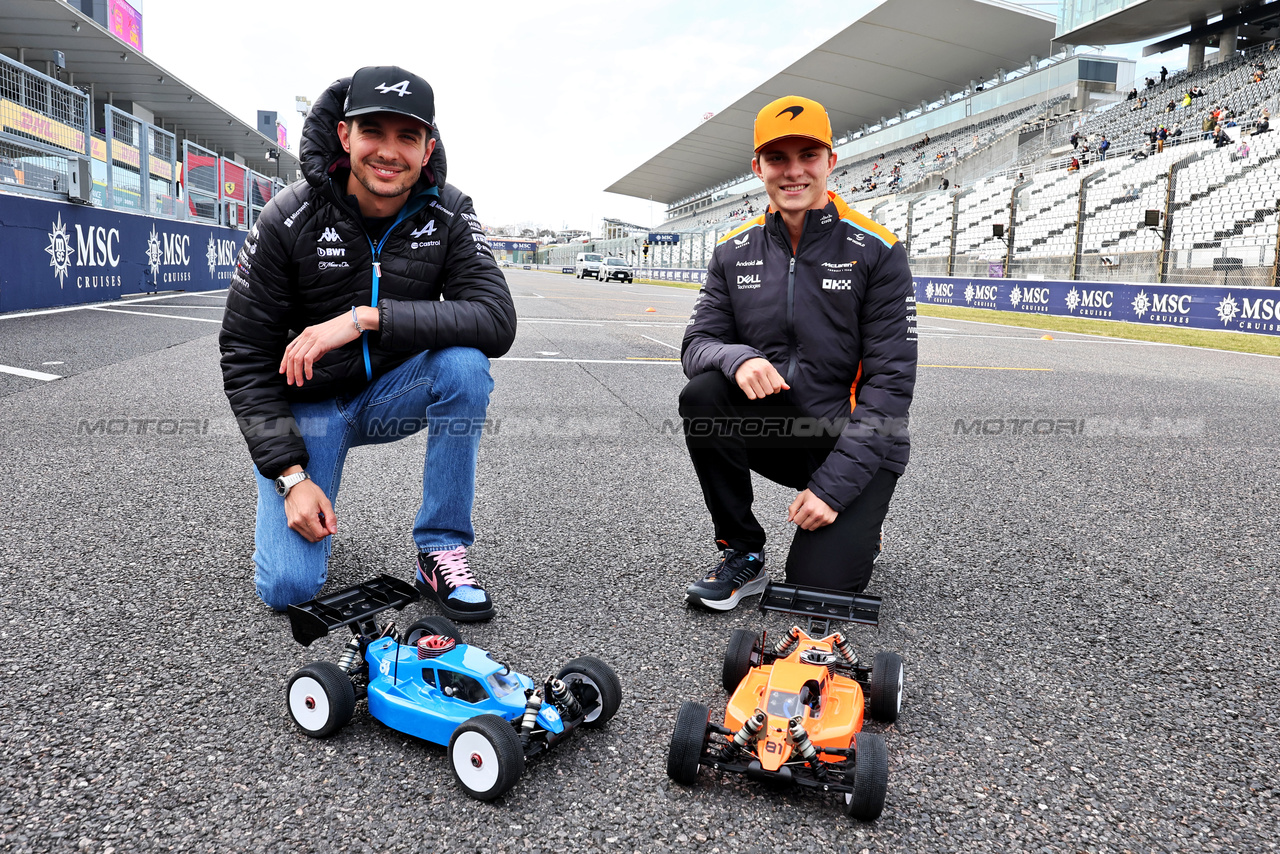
[{"x": 837, "y": 719}]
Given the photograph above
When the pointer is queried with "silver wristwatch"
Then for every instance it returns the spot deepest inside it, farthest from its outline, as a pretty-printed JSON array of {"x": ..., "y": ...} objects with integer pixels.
[{"x": 288, "y": 482}]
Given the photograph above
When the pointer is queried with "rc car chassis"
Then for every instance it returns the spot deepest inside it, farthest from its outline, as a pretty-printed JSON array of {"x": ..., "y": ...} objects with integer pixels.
[
  {"x": 796, "y": 707},
  {"x": 426, "y": 682}
]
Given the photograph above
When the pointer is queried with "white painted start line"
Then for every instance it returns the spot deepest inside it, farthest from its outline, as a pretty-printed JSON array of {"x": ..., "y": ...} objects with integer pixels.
[
  {"x": 663, "y": 343},
  {"x": 31, "y": 375},
  {"x": 216, "y": 320}
]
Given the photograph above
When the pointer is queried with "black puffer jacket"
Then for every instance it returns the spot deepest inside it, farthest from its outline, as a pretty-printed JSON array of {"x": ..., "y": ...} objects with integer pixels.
[
  {"x": 308, "y": 259},
  {"x": 838, "y": 321}
]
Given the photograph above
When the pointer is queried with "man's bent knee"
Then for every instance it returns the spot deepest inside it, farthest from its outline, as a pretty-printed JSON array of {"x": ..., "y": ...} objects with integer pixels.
[{"x": 705, "y": 390}]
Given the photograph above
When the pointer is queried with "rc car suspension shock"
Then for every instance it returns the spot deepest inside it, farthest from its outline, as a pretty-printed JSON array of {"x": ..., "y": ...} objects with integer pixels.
[
  {"x": 846, "y": 651},
  {"x": 750, "y": 729},
  {"x": 350, "y": 655},
  {"x": 564, "y": 698},
  {"x": 532, "y": 704},
  {"x": 787, "y": 643},
  {"x": 797, "y": 735}
]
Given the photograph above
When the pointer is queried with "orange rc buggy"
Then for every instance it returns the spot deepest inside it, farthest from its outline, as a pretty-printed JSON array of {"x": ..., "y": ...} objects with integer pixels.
[{"x": 796, "y": 706}]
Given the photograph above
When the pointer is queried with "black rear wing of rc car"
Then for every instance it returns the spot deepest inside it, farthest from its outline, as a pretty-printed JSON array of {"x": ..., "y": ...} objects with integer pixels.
[
  {"x": 822, "y": 607},
  {"x": 314, "y": 619}
]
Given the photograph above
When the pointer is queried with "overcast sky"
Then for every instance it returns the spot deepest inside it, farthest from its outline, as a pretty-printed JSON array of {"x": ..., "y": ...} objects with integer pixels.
[{"x": 540, "y": 105}]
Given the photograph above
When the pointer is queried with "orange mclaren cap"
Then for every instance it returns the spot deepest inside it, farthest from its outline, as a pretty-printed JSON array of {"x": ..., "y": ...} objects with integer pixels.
[{"x": 792, "y": 116}]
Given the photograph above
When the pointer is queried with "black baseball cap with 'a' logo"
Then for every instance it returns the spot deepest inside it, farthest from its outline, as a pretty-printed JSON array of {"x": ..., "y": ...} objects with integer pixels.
[{"x": 390, "y": 89}]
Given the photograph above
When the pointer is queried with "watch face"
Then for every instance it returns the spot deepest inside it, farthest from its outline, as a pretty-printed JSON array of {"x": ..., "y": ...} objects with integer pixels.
[{"x": 281, "y": 489}]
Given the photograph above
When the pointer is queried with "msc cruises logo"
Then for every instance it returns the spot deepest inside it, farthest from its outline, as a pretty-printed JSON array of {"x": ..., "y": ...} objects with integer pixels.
[
  {"x": 154, "y": 252},
  {"x": 1227, "y": 309},
  {"x": 60, "y": 251}
]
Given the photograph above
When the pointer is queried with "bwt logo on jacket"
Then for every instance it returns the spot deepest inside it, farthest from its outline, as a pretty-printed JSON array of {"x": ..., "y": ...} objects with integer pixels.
[
  {"x": 331, "y": 251},
  {"x": 837, "y": 284},
  {"x": 330, "y": 236}
]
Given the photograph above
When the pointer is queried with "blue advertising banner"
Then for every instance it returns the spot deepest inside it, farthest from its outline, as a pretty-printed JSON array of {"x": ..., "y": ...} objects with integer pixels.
[
  {"x": 1194, "y": 306},
  {"x": 673, "y": 274},
  {"x": 513, "y": 245},
  {"x": 668, "y": 238},
  {"x": 56, "y": 254}
]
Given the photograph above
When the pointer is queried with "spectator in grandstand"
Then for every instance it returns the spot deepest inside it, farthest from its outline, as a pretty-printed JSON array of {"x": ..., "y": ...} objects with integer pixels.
[
  {"x": 1074, "y": 165},
  {"x": 1133, "y": 94},
  {"x": 1197, "y": 92},
  {"x": 1264, "y": 123},
  {"x": 1241, "y": 152},
  {"x": 365, "y": 306},
  {"x": 1075, "y": 140},
  {"x": 1151, "y": 84},
  {"x": 944, "y": 185},
  {"x": 1102, "y": 147},
  {"x": 1186, "y": 100},
  {"x": 1220, "y": 137},
  {"x": 1207, "y": 126},
  {"x": 1171, "y": 106},
  {"x": 1164, "y": 74},
  {"x": 753, "y": 395}
]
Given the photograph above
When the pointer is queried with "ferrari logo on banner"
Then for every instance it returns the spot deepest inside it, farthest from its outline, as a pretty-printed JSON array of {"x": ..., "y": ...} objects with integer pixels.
[{"x": 229, "y": 188}]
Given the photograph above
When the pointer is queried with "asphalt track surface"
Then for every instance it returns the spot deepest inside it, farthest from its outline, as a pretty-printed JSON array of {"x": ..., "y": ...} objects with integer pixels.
[{"x": 1088, "y": 611}]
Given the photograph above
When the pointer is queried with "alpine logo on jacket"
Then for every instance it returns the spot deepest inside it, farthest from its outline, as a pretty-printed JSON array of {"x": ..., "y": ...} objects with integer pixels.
[
  {"x": 330, "y": 236},
  {"x": 428, "y": 229}
]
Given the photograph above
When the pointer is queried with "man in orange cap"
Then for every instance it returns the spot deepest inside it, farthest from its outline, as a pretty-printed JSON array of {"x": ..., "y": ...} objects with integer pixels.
[{"x": 801, "y": 359}]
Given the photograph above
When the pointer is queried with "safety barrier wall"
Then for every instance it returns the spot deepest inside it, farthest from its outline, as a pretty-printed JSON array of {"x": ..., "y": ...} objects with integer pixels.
[
  {"x": 57, "y": 254},
  {"x": 1218, "y": 307}
]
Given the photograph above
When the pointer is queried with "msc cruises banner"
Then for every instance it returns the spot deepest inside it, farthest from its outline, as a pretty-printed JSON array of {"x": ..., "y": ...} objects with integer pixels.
[
  {"x": 57, "y": 253},
  {"x": 1195, "y": 306}
]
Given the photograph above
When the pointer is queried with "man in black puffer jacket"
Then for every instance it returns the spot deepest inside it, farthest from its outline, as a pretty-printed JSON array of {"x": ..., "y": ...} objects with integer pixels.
[
  {"x": 801, "y": 358},
  {"x": 365, "y": 306}
]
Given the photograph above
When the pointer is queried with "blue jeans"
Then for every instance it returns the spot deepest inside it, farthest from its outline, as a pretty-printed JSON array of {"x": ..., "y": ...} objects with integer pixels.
[{"x": 444, "y": 391}]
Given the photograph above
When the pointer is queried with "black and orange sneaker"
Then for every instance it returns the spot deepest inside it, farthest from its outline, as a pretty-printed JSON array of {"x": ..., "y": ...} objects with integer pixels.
[{"x": 445, "y": 577}]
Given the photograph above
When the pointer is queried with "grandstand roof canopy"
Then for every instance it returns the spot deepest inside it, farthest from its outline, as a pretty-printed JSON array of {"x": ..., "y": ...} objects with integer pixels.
[
  {"x": 900, "y": 53},
  {"x": 94, "y": 55},
  {"x": 1152, "y": 18}
]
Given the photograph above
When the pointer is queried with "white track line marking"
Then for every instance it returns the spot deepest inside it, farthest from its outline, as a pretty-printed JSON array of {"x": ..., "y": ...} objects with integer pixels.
[
  {"x": 31, "y": 375},
  {"x": 663, "y": 343},
  {"x": 103, "y": 304},
  {"x": 165, "y": 316}
]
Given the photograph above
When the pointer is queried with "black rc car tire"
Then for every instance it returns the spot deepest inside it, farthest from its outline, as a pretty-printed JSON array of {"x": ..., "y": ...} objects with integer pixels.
[
  {"x": 687, "y": 740},
  {"x": 320, "y": 699},
  {"x": 737, "y": 659},
  {"x": 433, "y": 625},
  {"x": 486, "y": 757},
  {"x": 870, "y": 778},
  {"x": 885, "y": 693},
  {"x": 600, "y": 676}
]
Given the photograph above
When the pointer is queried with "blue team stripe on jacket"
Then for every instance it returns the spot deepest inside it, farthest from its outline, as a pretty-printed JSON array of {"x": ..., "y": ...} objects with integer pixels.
[{"x": 866, "y": 231}]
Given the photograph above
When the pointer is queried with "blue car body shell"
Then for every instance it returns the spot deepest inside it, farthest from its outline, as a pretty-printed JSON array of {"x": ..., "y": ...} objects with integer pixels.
[{"x": 405, "y": 692}]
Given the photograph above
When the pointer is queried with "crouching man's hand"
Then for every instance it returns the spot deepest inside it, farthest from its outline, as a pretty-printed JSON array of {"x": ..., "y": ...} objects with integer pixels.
[
  {"x": 759, "y": 378},
  {"x": 810, "y": 512},
  {"x": 315, "y": 341},
  {"x": 309, "y": 512}
]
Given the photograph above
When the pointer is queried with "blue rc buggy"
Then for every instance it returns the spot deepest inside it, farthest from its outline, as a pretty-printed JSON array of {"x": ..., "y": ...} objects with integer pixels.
[{"x": 426, "y": 682}]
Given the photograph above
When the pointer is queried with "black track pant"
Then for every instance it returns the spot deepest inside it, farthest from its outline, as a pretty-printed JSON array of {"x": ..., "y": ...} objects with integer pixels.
[{"x": 729, "y": 436}]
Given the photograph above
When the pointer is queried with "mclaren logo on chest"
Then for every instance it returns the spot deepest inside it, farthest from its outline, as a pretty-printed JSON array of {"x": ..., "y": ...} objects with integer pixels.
[{"x": 329, "y": 236}]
